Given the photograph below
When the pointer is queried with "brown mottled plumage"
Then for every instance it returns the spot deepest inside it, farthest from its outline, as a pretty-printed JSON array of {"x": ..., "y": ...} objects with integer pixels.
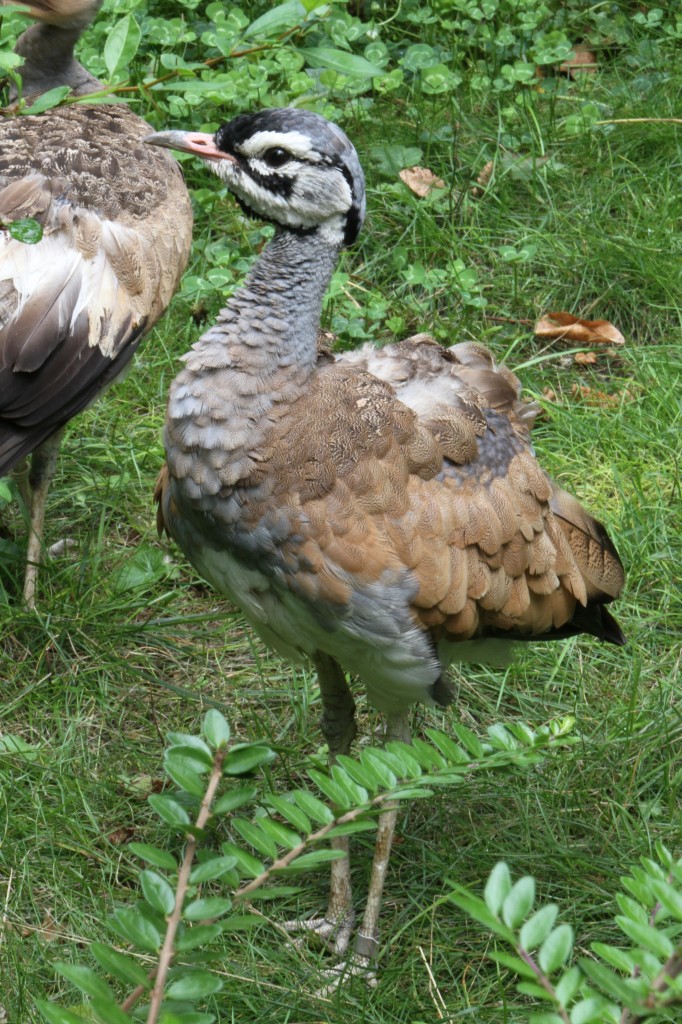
[
  {"x": 381, "y": 513},
  {"x": 116, "y": 224}
]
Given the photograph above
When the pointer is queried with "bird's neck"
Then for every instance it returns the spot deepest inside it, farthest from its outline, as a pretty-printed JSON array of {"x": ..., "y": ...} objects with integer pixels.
[
  {"x": 270, "y": 325},
  {"x": 249, "y": 369},
  {"x": 49, "y": 62}
]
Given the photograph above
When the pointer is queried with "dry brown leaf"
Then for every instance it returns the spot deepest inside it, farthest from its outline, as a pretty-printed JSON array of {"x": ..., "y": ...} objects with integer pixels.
[
  {"x": 590, "y": 396},
  {"x": 566, "y": 327},
  {"x": 483, "y": 179},
  {"x": 585, "y": 358},
  {"x": 581, "y": 62},
  {"x": 549, "y": 394},
  {"x": 421, "y": 180},
  {"x": 49, "y": 930},
  {"x": 121, "y": 835}
]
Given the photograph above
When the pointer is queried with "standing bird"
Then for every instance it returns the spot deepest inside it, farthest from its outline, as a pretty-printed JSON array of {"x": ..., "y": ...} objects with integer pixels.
[
  {"x": 117, "y": 225},
  {"x": 381, "y": 513}
]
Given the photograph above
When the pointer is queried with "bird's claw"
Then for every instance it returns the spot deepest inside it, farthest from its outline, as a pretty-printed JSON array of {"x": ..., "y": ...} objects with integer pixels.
[
  {"x": 356, "y": 966},
  {"x": 333, "y": 933}
]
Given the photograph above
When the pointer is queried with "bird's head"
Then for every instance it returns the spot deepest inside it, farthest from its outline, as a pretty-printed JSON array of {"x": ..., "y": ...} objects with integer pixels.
[{"x": 288, "y": 166}]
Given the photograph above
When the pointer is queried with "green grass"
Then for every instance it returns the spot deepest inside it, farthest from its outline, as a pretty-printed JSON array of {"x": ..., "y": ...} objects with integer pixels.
[{"x": 96, "y": 678}]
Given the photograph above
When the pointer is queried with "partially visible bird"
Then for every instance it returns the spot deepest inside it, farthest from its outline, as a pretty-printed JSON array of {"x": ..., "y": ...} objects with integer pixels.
[
  {"x": 117, "y": 225},
  {"x": 381, "y": 513}
]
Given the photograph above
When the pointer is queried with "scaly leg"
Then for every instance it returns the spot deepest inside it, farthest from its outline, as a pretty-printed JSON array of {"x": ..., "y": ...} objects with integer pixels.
[
  {"x": 366, "y": 944},
  {"x": 338, "y": 728},
  {"x": 43, "y": 466},
  {"x": 367, "y": 940}
]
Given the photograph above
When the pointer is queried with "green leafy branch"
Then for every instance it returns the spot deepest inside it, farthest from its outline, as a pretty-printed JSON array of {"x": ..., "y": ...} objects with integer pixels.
[
  {"x": 176, "y": 918},
  {"x": 617, "y": 986}
]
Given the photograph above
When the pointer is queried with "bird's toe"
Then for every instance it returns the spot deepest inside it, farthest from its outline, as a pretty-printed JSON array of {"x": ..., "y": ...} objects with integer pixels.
[{"x": 334, "y": 933}]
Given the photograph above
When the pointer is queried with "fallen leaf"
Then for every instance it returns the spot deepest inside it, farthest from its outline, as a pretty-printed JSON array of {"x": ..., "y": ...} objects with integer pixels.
[
  {"x": 590, "y": 396},
  {"x": 566, "y": 327},
  {"x": 121, "y": 835},
  {"x": 421, "y": 180},
  {"x": 49, "y": 930},
  {"x": 483, "y": 179},
  {"x": 585, "y": 358},
  {"x": 581, "y": 62},
  {"x": 549, "y": 394}
]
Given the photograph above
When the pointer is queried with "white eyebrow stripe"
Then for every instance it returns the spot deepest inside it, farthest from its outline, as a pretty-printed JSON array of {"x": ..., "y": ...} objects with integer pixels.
[
  {"x": 296, "y": 143},
  {"x": 289, "y": 170}
]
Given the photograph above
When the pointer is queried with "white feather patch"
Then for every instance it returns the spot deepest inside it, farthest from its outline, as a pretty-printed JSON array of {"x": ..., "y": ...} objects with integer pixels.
[{"x": 46, "y": 267}]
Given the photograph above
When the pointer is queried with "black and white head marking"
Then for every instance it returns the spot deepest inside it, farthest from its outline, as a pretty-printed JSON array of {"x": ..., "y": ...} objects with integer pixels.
[{"x": 295, "y": 168}]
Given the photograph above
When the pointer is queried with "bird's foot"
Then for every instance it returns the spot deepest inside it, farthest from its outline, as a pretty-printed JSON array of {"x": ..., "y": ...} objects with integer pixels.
[
  {"x": 333, "y": 932},
  {"x": 61, "y": 547},
  {"x": 356, "y": 966}
]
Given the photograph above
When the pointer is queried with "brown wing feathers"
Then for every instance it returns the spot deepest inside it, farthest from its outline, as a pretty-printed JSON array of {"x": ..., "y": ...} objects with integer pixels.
[
  {"x": 494, "y": 546},
  {"x": 73, "y": 306},
  {"x": 376, "y": 488}
]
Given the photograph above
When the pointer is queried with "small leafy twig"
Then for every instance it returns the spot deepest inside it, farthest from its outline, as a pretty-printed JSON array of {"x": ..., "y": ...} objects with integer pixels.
[
  {"x": 356, "y": 787},
  {"x": 166, "y": 954},
  {"x": 589, "y": 992}
]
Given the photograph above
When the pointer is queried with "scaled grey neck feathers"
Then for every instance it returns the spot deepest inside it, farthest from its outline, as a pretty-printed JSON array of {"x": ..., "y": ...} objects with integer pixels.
[
  {"x": 272, "y": 321},
  {"x": 250, "y": 367}
]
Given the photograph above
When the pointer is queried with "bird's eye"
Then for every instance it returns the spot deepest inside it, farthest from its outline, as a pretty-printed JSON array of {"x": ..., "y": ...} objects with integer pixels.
[{"x": 276, "y": 156}]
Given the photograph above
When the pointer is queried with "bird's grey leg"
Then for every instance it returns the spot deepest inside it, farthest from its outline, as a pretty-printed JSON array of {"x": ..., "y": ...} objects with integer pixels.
[
  {"x": 338, "y": 728},
  {"x": 366, "y": 944},
  {"x": 367, "y": 939},
  {"x": 43, "y": 466}
]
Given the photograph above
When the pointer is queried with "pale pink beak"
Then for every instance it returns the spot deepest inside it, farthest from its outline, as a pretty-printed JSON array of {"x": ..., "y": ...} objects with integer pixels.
[{"x": 198, "y": 143}]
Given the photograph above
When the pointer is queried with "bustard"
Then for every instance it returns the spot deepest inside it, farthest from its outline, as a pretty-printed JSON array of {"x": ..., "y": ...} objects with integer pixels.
[
  {"x": 117, "y": 226},
  {"x": 381, "y": 513}
]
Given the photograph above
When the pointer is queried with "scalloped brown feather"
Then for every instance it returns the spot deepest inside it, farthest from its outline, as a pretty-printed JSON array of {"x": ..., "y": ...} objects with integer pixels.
[
  {"x": 116, "y": 226},
  {"x": 358, "y": 485}
]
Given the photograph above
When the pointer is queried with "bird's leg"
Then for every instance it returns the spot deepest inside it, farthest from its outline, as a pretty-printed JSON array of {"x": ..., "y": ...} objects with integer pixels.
[
  {"x": 43, "y": 466},
  {"x": 338, "y": 728},
  {"x": 20, "y": 474},
  {"x": 366, "y": 944},
  {"x": 367, "y": 939}
]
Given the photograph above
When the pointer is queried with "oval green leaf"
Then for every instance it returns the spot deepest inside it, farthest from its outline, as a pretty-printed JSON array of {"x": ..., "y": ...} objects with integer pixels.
[
  {"x": 194, "y": 985},
  {"x": 340, "y": 60},
  {"x": 157, "y": 892},
  {"x": 135, "y": 928},
  {"x": 497, "y": 888},
  {"x": 556, "y": 948},
  {"x": 203, "y": 909},
  {"x": 121, "y": 44},
  {"x": 216, "y": 728},
  {"x": 234, "y": 799},
  {"x": 171, "y": 811},
  {"x": 119, "y": 966},
  {"x": 244, "y": 759},
  {"x": 85, "y": 979},
  {"x": 153, "y": 855},
  {"x": 211, "y": 869},
  {"x": 537, "y": 928},
  {"x": 518, "y": 902}
]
